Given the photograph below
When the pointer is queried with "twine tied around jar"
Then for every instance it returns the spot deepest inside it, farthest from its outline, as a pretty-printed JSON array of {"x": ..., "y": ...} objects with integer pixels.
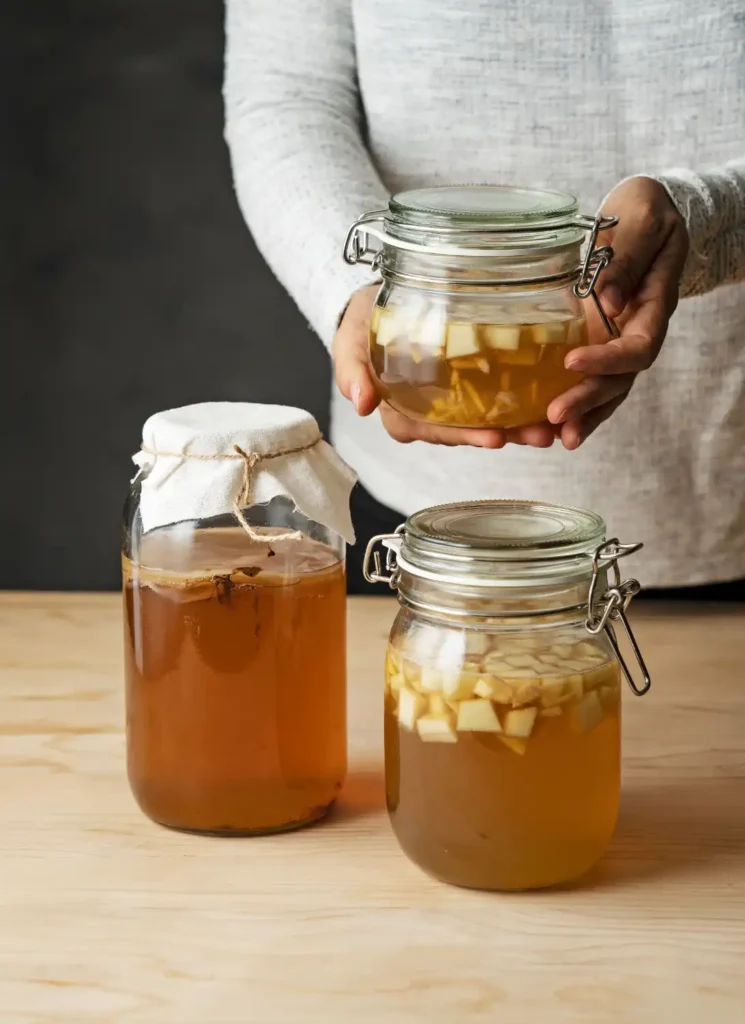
[{"x": 244, "y": 495}]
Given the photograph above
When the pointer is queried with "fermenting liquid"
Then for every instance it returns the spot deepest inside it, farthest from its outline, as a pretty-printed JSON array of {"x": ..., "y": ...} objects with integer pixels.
[
  {"x": 472, "y": 374},
  {"x": 235, "y": 675},
  {"x": 503, "y": 772}
]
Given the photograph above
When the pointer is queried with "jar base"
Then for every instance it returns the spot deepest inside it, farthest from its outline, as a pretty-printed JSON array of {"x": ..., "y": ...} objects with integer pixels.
[{"x": 318, "y": 814}]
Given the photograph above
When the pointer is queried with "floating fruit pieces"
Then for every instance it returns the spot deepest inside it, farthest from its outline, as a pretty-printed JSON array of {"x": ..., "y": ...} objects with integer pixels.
[
  {"x": 472, "y": 682},
  {"x": 479, "y": 374}
]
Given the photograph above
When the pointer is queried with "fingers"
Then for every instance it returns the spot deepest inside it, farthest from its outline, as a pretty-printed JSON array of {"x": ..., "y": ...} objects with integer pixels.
[
  {"x": 537, "y": 435},
  {"x": 406, "y": 430},
  {"x": 620, "y": 355},
  {"x": 648, "y": 315},
  {"x": 575, "y": 432},
  {"x": 350, "y": 350},
  {"x": 589, "y": 394}
]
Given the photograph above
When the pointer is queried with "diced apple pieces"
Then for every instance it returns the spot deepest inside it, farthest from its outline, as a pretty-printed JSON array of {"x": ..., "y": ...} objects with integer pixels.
[
  {"x": 477, "y": 644},
  {"x": 525, "y": 693},
  {"x": 519, "y": 722},
  {"x": 477, "y": 716},
  {"x": 523, "y": 661},
  {"x": 554, "y": 694},
  {"x": 411, "y": 706},
  {"x": 585, "y": 715},
  {"x": 460, "y": 686},
  {"x": 430, "y": 679},
  {"x": 461, "y": 341},
  {"x": 552, "y": 712},
  {"x": 563, "y": 650},
  {"x": 437, "y": 705},
  {"x": 518, "y": 645},
  {"x": 503, "y": 336},
  {"x": 517, "y": 746},
  {"x": 575, "y": 686},
  {"x": 493, "y": 688},
  {"x": 436, "y": 729},
  {"x": 585, "y": 649},
  {"x": 575, "y": 665},
  {"x": 550, "y": 333},
  {"x": 430, "y": 331},
  {"x": 496, "y": 663},
  {"x": 384, "y": 326},
  {"x": 504, "y": 402}
]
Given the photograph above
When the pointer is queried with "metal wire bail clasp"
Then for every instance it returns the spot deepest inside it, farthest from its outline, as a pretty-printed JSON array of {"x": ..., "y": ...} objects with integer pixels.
[
  {"x": 357, "y": 248},
  {"x": 609, "y": 607},
  {"x": 597, "y": 257},
  {"x": 372, "y": 556}
]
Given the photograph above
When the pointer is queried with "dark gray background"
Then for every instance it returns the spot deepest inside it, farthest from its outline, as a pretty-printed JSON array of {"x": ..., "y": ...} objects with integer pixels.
[{"x": 128, "y": 280}]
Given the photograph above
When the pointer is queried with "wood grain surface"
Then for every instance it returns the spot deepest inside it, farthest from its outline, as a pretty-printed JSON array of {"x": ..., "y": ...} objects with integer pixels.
[{"x": 105, "y": 917}]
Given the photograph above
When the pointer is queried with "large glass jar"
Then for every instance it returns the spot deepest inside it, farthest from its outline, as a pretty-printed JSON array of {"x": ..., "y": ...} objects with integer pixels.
[
  {"x": 235, "y": 665},
  {"x": 480, "y": 302},
  {"x": 502, "y": 692}
]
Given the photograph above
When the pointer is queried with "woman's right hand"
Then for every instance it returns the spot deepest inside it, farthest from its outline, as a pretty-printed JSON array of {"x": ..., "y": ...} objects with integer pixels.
[{"x": 354, "y": 378}]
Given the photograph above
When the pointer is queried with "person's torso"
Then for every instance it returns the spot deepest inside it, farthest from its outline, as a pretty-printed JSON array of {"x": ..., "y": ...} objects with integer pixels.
[{"x": 577, "y": 96}]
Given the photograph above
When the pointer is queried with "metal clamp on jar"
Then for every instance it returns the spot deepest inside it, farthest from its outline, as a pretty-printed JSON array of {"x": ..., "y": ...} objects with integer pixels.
[
  {"x": 480, "y": 301},
  {"x": 502, "y": 690}
]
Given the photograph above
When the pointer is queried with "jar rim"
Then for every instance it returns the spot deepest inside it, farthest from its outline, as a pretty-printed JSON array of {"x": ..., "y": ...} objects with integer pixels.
[
  {"x": 484, "y": 207},
  {"x": 501, "y": 543}
]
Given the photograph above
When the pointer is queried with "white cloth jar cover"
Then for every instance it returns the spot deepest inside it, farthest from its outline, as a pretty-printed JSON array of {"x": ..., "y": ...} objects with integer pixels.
[{"x": 204, "y": 458}]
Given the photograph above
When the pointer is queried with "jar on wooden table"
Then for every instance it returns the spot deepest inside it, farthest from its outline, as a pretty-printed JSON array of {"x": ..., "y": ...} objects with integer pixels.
[
  {"x": 481, "y": 300},
  {"x": 503, "y": 690},
  {"x": 234, "y": 603}
]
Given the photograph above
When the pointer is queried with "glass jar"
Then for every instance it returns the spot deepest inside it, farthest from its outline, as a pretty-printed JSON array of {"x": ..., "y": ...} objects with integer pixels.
[
  {"x": 480, "y": 301},
  {"x": 502, "y": 691},
  {"x": 235, "y": 665}
]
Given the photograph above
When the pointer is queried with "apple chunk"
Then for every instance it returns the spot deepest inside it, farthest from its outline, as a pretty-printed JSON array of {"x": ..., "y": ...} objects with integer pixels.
[
  {"x": 587, "y": 713},
  {"x": 519, "y": 722},
  {"x": 477, "y": 716},
  {"x": 494, "y": 689},
  {"x": 459, "y": 686},
  {"x": 504, "y": 336},
  {"x": 436, "y": 729},
  {"x": 384, "y": 326},
  {"x": 461, "y": 341},
  {"x": 411, "y": 705},
  {"x": 550, "y": 333}
]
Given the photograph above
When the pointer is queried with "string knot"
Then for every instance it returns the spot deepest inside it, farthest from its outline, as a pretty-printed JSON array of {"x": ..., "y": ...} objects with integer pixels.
[{"x": 244, "y": 495}]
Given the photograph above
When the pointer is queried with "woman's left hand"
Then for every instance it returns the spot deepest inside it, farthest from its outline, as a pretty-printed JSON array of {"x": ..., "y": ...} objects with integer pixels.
[{"x": 640, "y": 290}]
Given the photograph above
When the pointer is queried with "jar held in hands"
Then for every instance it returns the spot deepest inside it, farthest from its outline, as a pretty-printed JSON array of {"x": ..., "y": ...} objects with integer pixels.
[{"x": 479, "y": 303}]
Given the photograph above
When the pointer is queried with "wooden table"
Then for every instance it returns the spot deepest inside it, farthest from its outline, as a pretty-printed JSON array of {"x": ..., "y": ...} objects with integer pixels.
[{"x": 105, "y": 917}]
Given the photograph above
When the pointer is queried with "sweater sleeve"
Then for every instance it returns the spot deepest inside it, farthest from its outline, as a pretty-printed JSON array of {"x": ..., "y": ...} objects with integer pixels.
[
  {"x": 713, "y": 206},
  {"x": 301, "y": 170}
]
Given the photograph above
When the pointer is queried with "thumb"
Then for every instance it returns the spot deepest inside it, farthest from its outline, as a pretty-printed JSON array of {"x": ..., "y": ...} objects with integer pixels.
[
  {"x": 637, "y": 241},
  {"x": 350, "y": 351}
]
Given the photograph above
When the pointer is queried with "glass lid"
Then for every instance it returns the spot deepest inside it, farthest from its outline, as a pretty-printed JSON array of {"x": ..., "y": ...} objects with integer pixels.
[
  {"x": 501, "y": 542},
  {"x": 499, "y": 207}
]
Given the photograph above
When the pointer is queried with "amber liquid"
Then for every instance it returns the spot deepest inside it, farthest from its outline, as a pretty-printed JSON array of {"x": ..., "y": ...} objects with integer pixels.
[
  {"x": 483, "y": 810},
  {"x": 235, "y": 683},
  {"x": 489, "y": 387}
]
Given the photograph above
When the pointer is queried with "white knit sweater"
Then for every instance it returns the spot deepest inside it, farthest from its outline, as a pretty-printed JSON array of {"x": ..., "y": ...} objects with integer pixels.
[{"x": 568, "y": 94}]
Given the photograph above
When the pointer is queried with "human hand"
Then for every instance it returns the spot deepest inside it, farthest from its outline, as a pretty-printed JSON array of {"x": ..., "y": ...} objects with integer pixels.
[
  {"x": 350, "y": 352},
  {"x": 640, "y": 290}
]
